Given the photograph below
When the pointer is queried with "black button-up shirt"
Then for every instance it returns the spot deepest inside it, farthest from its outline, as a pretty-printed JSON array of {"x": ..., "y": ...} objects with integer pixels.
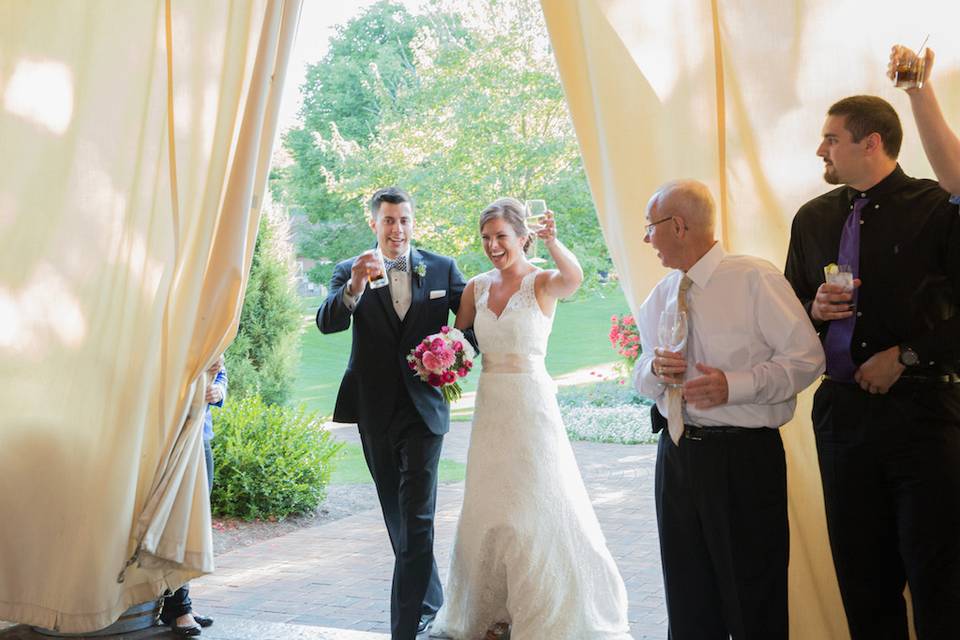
[{"x": 909, "y": 265}]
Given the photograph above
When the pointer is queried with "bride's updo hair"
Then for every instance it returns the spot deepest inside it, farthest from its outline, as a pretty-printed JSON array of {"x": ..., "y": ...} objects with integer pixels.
[{"x": 511, "y": 210}]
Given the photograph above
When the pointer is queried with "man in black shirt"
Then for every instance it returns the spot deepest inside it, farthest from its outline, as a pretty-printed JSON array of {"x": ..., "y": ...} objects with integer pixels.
[{"x": 887, "y": 415}]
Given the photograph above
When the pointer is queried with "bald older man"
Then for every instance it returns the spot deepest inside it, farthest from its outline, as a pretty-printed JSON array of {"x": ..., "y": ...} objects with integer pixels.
[{"x": 721, "y": 486}]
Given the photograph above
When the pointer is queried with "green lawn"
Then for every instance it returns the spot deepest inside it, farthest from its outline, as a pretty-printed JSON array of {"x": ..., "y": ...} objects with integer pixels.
[
  {"x": 579, "y": 340},
  {"x": 351, "y": 468}
]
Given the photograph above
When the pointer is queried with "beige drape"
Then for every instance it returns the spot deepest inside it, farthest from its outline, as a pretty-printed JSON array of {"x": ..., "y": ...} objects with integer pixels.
[
  {"x": 135, "y": 143},
  {"x": 734, "y": 93}
]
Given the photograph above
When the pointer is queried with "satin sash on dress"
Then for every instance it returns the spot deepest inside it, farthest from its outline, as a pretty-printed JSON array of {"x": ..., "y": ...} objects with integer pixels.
[{"x": 512, "y": 363}]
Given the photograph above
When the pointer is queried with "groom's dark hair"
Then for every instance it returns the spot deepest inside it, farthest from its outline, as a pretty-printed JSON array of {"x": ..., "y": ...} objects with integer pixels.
[{"x": 393, "y": 195}]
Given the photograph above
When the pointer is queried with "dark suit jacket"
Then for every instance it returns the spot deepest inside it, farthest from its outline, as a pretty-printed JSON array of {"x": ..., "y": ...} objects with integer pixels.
[{"x": 378, "y": 368}]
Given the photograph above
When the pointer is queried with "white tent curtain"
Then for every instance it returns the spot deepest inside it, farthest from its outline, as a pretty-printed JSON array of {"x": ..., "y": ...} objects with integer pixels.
[
  {"x": 136, "y": 139},
  {"x": 734, "y": 93}
]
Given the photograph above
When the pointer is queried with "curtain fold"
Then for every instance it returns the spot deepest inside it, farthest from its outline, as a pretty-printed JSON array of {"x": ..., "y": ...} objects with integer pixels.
[
  {"x": 136, "y": 141},
  {"x": 734, "y": 93}
]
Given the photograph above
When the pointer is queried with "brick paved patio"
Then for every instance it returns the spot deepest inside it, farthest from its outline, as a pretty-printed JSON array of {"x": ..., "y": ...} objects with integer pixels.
[
  {"x": 332, "y": 582},
  {"x": 338, "y": 575}
]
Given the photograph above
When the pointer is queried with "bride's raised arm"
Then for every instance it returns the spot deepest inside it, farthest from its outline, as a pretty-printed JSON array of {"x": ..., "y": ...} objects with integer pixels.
[
  {"x": 566, "y": 278},
  {"x": 468, "y": 308}
]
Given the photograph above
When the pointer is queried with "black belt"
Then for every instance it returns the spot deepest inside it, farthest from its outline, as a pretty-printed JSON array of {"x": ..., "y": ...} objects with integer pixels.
[
  {"x": 909, "y": 380},
  {"x": 694, "y": 432}
]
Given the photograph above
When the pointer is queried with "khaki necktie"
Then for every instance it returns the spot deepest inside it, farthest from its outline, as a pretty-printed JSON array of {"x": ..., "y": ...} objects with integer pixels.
[{"x": 675, "y": 394}]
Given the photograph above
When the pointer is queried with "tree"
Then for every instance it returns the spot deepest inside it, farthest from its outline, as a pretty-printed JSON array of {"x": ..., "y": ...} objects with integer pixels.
[
  {"x": 333, "y": 241},
  {"x": 262, "y": 359},
  {"x": 480, "y": 115},
  {"x": 369, "y": 62}
]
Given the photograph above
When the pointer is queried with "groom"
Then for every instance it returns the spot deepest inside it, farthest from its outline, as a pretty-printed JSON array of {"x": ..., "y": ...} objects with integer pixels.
[{"x": 401, "y": 419}]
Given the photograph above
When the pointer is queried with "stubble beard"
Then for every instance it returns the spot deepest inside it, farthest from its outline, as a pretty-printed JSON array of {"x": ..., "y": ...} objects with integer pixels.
[{"x": 830, "y": 176}]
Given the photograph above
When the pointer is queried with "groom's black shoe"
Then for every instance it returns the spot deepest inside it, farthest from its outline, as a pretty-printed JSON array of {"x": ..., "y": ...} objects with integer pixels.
[{"x": 425, "y": 621}]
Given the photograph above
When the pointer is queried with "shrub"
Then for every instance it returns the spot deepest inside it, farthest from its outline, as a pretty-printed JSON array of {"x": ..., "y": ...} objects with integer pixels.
[
  {"x": 271, "y": 461},
  {"x": 607, "y": 411},
  {"x": 625, "y": 340},
  {"x": 263, "y": 357}
]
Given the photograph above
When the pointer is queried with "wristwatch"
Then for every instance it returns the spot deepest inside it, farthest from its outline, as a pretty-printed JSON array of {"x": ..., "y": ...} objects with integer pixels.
[{"x": 908, "y": 357}]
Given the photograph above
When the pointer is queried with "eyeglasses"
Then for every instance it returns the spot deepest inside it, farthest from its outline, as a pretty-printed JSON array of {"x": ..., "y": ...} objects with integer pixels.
[{"x": 649, "y": 227}]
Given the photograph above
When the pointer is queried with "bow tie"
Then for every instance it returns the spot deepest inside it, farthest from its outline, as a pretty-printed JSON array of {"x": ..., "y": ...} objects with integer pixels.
[{"x": 400, "y": 264}]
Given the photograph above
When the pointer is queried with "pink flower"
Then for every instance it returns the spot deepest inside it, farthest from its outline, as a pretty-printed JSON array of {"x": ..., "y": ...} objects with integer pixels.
[
  {"x": 412, "y": 365},
  {"x": 444, "y": 329},
  {"x": 434, "y": 380},
  {"x": 432, "y": 362},
  {"x": 448, "y": 377},
  {"x": 462, "y": 372},
  {"x": 468, "y": 364},
  {"x": 457, "y": 346},
  {"x": 447, "y": 357},
  {"x": 420, "y": 349},
  {"x": 614, "y": 318},
  {"x": 437, "y": 345}
]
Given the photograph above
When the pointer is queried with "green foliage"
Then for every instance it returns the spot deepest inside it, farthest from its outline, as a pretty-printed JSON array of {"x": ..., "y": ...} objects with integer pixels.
[
  {"x": 338, "y": 239},
  {"x": 263, "y": 357},
  {"x": 609, "y": 393},
  {"x": 352, "y": 468},
  {"x": 368, "y": 66},
  {"x": 609, "y": 411},
  {"x": 466, "y": 106},
  {"x": 272, "y": 461}
]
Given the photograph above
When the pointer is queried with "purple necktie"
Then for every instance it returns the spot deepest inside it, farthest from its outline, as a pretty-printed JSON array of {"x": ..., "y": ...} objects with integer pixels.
[{"x": 840, "y": 332}]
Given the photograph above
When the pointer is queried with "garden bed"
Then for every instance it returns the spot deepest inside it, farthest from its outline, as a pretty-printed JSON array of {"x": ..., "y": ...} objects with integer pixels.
[{"x": 607, "y": 411}]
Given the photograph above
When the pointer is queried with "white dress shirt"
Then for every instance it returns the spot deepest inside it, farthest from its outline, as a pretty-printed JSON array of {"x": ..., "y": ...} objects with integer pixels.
[
  {"x": 401, "y": 290},
  {"x": 745, "y": 320}
]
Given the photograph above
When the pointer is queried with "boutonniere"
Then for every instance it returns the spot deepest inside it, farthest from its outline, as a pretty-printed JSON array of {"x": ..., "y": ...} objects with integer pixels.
[{"x": 420, "y": 270}]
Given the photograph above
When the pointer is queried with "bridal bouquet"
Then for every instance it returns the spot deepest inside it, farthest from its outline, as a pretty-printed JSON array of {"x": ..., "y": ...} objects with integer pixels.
[{"x": 441, "y": 359}]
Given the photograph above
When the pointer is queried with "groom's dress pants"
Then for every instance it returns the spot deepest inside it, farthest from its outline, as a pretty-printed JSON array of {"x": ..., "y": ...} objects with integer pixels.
[
  {"x": 403, "y": 458},
  {"x": 724, "y": 541}
]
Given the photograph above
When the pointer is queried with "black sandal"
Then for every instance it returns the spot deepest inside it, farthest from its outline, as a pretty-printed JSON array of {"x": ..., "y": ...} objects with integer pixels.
[
  {"x": 203, "y": 621},
  {"x": 187, "y": 631}
]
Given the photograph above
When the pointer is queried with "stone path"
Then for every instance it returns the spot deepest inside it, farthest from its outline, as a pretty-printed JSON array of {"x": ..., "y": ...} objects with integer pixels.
[
  {"x": 332, "y": 582},
  {"x": 338, "y": 575}
]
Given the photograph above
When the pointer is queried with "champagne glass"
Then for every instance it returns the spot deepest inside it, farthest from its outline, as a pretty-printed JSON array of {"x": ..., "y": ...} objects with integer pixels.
[
  {"x": 672, "y": 332},
  {"x": 535, "y": 210}
]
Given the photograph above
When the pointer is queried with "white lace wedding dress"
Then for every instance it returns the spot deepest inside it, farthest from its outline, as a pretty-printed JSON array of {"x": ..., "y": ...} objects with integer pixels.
[{"x": 528, "y": 548}]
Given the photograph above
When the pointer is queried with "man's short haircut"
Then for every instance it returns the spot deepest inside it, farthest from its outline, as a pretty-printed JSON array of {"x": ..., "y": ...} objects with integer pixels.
[
  {"x": 870, "y": 114},
  {"x": 393, "y": 195}
]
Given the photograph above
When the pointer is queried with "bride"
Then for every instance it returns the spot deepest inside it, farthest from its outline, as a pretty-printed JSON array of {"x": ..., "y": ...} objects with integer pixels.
[{"x": 529, "y": 559}]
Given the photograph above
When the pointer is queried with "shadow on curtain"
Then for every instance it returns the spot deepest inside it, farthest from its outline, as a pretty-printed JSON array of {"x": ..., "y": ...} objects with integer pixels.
[
  {"x": 136, "y": 141},
  {"x": 734, "y": 94}
]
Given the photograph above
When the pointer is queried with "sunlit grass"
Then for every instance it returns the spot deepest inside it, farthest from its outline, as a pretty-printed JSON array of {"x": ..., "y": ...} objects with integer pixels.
[{"x": 579, "y": 340}]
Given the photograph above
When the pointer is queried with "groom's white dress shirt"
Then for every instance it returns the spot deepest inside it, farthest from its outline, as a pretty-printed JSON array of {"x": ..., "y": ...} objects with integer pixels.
[
  {"x": 401, "y": 291},
  {"x": 745, "y": 320}
]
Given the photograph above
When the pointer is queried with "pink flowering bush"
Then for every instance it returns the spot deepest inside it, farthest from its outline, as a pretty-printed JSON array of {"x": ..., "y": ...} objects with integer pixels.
[
  {"x": 442, "y": 359},
  {"x": 625, "y": 338}
]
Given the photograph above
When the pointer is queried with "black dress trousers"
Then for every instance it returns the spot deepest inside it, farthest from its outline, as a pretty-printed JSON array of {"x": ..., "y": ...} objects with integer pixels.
[{"x": 724, "y": 538}]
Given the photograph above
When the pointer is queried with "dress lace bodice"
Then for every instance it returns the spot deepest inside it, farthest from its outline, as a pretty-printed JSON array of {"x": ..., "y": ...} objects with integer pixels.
[{"x": 521, "y": 328}]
